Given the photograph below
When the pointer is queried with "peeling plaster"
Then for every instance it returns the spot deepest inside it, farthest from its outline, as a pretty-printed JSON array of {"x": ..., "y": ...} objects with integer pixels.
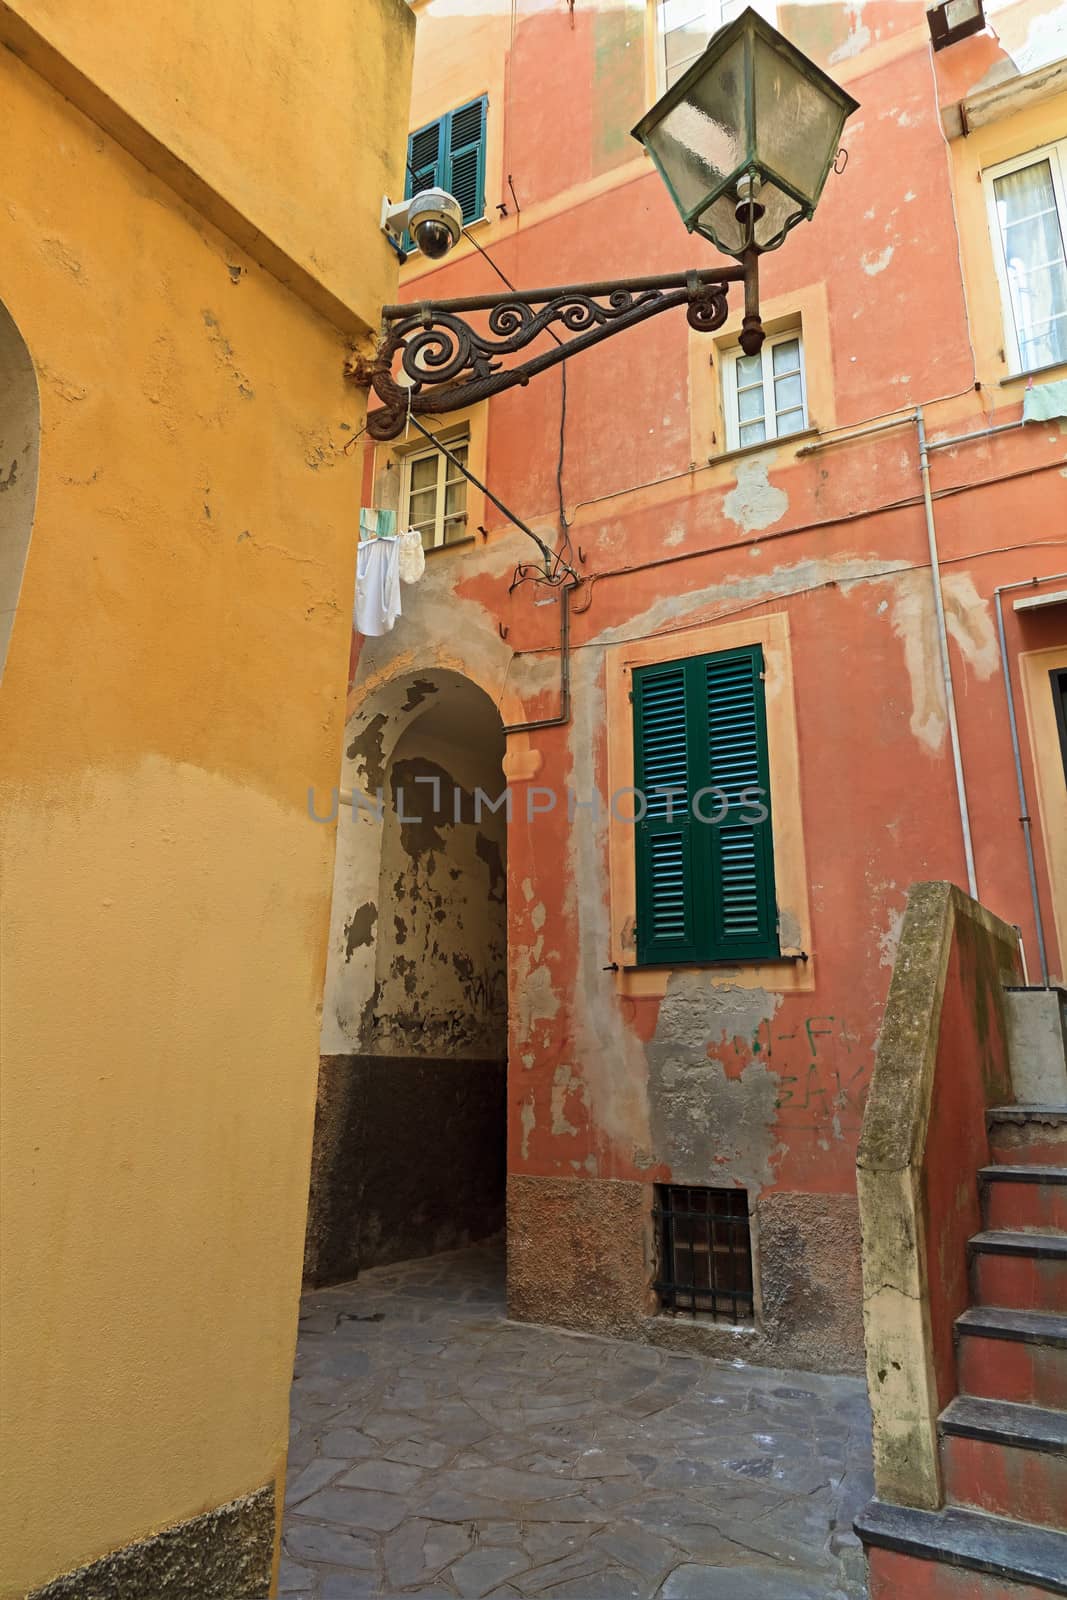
[
  {"x": 969, "y": 620},
  {"x": 359, "y": 929},
  {"x": 710, "y": 1127},
  {"x": 846, "y": 571},
  {"x": 915, "y": 626},
  {"x": 890, "y": 938},
  {"x": 611, "y": 1055},
  {"x": 754, "y": 503},
  {"x": 873, "y": 265}
]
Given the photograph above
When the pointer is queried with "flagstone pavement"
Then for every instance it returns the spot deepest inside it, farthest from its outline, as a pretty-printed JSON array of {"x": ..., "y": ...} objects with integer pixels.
[{"x": 439, "y": 1449}]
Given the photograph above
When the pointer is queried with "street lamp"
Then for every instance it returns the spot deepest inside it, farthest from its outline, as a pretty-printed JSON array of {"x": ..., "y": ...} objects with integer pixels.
[{"x": 744, "y": 142}]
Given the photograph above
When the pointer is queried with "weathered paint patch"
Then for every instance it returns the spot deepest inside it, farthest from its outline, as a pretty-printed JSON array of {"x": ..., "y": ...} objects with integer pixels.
[
  {"x": 359, "y": 929},
  {"x": 914, "y": 625},
  {"x": 969, "y": 620},
  {"x": 707, "y": 1125},
  {"x": 874, "y": 264},
  {"x": 754, "y": 503}
]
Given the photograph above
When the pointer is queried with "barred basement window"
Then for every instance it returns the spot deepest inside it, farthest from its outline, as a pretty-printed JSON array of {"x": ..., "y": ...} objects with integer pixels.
[{"x": 705, "y": 1252}]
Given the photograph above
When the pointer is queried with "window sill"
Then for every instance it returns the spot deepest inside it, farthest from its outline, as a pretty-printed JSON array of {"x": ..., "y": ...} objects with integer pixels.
[
  {"x": 1035, "y": 372},
  {"x": 789, "y": 958},
  {"x": 765, "y": 444},
  {"x": 453, "y": 544}
]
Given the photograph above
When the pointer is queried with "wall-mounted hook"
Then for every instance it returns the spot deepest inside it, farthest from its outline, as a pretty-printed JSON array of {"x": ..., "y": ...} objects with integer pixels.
[
  {"x": 483, "y": 531},
  {"x": 582, "y": 557},
  {"x": 503, "y": 632},
  {"x": 841, "y": 161},
  {"x": 502, "y": 208}
]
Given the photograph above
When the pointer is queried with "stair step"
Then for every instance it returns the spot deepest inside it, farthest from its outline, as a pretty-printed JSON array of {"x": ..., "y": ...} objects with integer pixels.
[
  {"x": 1028, "y": 1133},
  {"x": 1031, "y": 1173},
  {"x": 1000, "y": 1422},
  {"x": 1019, "y": 1356},
  {"x": 1026, "y": 1271},
  {"x": 1006, "y": 1242},
  {"x": 1035, "y": 1558},
  {"x": 1006, "y": 1460},
  {"x": 1019, "y": 1197},
  {"x": 1028, "y": 1327}
]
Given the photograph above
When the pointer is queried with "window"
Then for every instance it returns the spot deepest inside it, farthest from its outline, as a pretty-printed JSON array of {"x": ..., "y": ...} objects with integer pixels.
[
  {"x": 765, "y": 396},
  {"x": 1058, "y": 684},
  {"x": 450, "y": 154},
  {"x": 704, "y": 852},
  {"x": 684, "y": 28},
  {"x": 705, "y": 1252},
  {"x": 434, "y": 494},
  {"x": 1028, "y": 220}
]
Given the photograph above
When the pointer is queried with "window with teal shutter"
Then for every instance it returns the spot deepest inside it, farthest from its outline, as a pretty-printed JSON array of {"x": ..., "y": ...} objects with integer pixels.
[
  {"x": 705, "y": 857},
  {"x": 450, "y": 154}
]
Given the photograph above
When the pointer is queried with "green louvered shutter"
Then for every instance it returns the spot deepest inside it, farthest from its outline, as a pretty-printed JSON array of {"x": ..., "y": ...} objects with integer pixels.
[
  {"x": 744, "y": 915},
  {"x": 466, "y": 158},
  {"x": 705, "y": 873},
  {"x": 667, "y": 890},
  {"x": 425, "y": 163}
]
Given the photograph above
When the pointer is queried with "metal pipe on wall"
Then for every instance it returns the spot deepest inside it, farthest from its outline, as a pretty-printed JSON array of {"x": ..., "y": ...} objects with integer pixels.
[{"x": 946, "y": 664}]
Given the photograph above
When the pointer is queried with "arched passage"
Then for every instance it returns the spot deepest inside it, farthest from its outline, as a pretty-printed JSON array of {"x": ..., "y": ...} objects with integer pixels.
[
  {"x": 410, "y": 1136},
  {"x": 20, "y": 428}
]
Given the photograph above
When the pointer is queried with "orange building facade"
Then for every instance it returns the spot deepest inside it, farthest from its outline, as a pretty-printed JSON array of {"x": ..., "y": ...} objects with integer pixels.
[{"x": 680, "y": 1131}]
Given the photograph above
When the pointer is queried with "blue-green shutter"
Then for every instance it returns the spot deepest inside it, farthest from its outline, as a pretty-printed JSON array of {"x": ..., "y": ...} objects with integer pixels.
[
  {"x": 450, "y": 154},
  {"x": 425, "y": 163},
  {"x": 705, "y": 888},
  {"x": 466, "y": 158},
  {"x": 743, "y": 915}
]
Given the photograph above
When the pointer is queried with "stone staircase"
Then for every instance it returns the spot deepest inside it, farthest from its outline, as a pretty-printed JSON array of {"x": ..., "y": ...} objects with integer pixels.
[{"x": 1002, "y": 1532}]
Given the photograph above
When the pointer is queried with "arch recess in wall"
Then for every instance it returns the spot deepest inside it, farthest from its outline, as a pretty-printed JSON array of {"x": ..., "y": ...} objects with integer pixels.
[{"x": 20, "y": 431}]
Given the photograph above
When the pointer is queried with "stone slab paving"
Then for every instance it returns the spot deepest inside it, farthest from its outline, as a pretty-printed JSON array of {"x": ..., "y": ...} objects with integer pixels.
[{"x": 438, "y": 1449}]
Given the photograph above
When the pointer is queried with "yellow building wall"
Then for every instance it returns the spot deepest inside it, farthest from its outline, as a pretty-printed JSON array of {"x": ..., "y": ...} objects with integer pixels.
[
  {"x": 175, "y": 683},
  {"x": 294, "y": 116}
]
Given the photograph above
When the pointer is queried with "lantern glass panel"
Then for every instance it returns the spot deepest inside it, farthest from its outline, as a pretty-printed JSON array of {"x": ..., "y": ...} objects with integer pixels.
[
  {"x": 700, "y": 142},
  {"x": 797, "y": 124}
]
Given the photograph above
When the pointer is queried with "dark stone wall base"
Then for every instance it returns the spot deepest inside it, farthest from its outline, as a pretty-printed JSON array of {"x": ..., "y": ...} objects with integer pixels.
[
  {"x": 225, "y": 1554},
  {"x": 581, "y": 1255},
  {"x": 409, "y": 1159}
]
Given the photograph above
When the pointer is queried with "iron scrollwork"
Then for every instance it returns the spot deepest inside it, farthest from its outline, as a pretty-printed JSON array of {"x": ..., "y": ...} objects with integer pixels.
[{"x": 447, "y": 363}]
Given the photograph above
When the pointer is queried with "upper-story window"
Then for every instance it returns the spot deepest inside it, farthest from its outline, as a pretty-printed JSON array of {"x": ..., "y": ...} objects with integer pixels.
[
  {"x": 765, "y": 395},
  {"x": 433, "y": 493},
  {"x": 685, "y": 26},
  {"x": 1027, "y": 200},
  {"x": 450, "y": 154}
]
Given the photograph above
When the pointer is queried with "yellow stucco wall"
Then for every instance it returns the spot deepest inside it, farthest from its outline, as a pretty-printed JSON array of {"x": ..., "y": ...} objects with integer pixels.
[
  {"x": 174, "y": 684},
  {"x": 294, "y": 116}
]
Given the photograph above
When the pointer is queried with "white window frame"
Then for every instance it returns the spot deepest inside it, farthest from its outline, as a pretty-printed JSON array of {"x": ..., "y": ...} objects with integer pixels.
[
  {"x": 447, "y": 475},
  {"x": 1056, "y": 156},
  {"x": 713, "y": 17},
  {"x": 729, "y": 360}
]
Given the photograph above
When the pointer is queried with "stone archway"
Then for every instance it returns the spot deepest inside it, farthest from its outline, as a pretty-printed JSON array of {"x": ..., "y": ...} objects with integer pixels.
[
  {"x": 20, "y": 429},
  {"x": 410, "y": 1138}
]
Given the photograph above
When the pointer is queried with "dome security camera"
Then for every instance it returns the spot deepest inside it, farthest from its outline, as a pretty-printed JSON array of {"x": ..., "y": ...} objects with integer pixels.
[
  {"x": 433, "y": 218},
  {"x": 435, "y": 221}
]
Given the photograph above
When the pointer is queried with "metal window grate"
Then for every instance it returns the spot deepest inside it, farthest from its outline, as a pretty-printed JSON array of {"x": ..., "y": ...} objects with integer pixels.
[{"x": 705, "y": 1245}]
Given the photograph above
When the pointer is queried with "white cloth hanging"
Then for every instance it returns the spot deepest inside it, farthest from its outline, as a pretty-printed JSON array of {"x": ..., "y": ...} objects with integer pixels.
[
  {"x": 412, "y": 556},
  {"x": 377, "y": 585}
]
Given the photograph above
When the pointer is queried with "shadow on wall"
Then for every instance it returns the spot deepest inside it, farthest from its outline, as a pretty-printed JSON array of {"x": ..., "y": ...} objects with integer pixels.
[
  {"x": 410, "y": 1133},
  {"x": 20, "y": 431}
]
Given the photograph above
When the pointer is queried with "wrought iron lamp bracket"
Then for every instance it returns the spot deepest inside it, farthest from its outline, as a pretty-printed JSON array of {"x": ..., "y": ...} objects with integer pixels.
[{"x": 446, "y": 362}]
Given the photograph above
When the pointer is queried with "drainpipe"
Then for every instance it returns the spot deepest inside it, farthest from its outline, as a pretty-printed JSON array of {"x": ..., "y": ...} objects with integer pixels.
[
  {"x": 946, "y": 665},
  {"x": 1024, "y": 809}
]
